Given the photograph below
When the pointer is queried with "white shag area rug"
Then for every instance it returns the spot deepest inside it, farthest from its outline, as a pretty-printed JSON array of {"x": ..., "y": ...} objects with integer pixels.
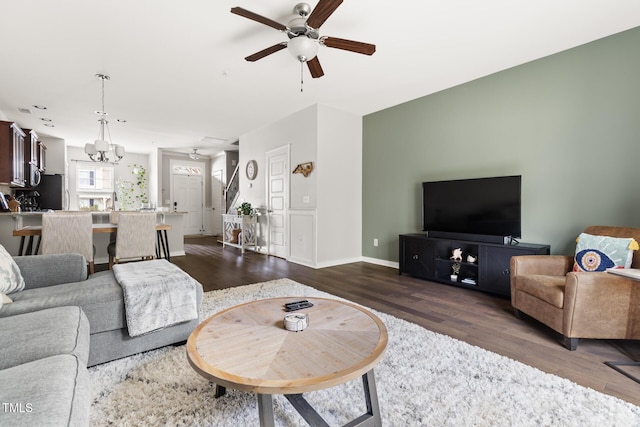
[{"x": 424, "y": 379}]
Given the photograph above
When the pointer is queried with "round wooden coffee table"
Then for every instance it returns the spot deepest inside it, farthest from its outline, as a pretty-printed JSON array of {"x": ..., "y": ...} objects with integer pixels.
[{"x": 247, "y": 348}]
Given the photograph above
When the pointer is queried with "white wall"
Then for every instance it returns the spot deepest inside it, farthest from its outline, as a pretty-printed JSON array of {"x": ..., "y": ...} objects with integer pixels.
[
  {"x": 339, "y": 172},
  {"x": 153, "y": 174},
  {"x": 165, "y": 188},
  {"x": 299, "y": 131},
  {"x": 55, "y": 156},
  {"x": 331, "y": 219},
  {"x": 121, "y": 169}
]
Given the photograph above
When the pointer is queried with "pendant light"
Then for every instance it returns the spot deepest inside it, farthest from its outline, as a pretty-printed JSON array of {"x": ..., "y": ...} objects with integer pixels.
[{"x": 99, "y": 149}]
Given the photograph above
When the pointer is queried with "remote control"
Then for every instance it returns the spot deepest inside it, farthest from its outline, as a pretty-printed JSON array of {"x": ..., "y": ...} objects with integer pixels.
[
  {"x": 297, "y": 305},
  {"x": 294, "y": 303}
]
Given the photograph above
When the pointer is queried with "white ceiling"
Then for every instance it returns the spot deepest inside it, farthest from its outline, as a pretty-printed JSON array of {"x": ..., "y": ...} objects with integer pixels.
[{"x": 178, "y": 73}]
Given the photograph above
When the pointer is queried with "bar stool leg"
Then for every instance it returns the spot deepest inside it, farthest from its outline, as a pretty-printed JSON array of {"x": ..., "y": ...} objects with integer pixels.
[
  {"x": 30, "y": 246},
  {"x": 166, "y": 246},
  {"x": 158, "y": 243}
]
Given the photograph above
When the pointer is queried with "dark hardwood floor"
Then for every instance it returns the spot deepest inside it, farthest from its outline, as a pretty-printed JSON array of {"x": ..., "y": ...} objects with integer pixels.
[{"x": 480, "y": 319}]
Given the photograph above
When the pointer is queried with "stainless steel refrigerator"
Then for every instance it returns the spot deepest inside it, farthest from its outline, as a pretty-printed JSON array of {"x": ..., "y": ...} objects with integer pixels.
[{"x": 53, "y": 193}]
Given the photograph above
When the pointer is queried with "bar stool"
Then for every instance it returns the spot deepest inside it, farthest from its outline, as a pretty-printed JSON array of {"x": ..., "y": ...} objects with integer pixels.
[
  {"x": 136, "y": 237},
  {"x": 69, "y": 232}
]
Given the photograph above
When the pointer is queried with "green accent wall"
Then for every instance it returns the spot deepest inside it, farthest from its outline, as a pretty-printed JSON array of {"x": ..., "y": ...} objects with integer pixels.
[{"x": 568, "y": 123}]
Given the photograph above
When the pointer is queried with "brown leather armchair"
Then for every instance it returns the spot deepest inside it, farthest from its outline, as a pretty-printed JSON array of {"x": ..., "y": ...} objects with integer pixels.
[{"x": 578, "y": 304}]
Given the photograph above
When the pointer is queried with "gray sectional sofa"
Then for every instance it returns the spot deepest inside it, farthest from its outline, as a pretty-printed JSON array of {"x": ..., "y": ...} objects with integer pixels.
[
  {"x": 58, "y": 325},
  {"x": 43, "y": 374},
  {"x": 61, "y": 280}
]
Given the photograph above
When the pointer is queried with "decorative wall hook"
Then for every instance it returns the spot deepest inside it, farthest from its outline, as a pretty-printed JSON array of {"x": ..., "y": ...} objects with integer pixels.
[{"x": 304, "y": 168}]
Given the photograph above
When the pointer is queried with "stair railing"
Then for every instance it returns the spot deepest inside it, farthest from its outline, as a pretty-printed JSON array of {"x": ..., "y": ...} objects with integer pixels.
[{"x": 232, "y": 191}]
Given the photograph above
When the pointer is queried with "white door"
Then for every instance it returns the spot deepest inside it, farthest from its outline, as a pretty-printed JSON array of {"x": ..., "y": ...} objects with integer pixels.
[
  {"x": 216, "y": 202},
  {"x": 187, "y": 194},
  {"x": 277, "y": 200}
]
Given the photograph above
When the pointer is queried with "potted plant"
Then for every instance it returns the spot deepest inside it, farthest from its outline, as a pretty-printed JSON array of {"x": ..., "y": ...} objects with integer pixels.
[
  {"x": 455, "y": 267},
  {"x": 246, "y": 209},
  {"x": 129, "y": 192}
]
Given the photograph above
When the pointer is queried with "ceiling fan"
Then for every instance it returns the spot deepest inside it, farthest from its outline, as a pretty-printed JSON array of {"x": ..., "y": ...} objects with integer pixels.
[
  {"x": 195, "y": 155},
  {"x": 304, "y": 36}
]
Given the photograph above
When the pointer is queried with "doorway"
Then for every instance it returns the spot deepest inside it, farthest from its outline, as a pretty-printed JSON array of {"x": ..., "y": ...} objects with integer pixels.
[
  {"x": 278, "y": 200},
  {"x": 187, "y": 193},
  {"x": 217, "y": 190}
]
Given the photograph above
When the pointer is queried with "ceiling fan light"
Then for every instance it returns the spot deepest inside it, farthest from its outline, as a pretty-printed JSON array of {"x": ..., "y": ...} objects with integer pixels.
[{"x": 302, "y": 48}]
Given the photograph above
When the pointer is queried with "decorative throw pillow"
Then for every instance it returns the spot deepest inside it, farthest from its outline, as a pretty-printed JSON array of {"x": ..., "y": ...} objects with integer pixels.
[
  {"x": 10, "y": 277},
  {"x": 4, "y": 299},
  {"x": 597, "y": 253}
]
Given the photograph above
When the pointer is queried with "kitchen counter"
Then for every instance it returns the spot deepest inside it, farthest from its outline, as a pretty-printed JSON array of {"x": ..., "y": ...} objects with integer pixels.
[{"x": 10, "y": 221}]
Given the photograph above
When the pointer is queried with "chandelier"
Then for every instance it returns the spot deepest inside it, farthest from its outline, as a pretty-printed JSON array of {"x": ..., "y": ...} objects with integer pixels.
[{"x": 99, "y": 149}]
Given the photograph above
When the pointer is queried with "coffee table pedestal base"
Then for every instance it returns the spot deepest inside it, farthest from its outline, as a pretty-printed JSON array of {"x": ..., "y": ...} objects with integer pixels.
[{"x": 370, "y": 418}]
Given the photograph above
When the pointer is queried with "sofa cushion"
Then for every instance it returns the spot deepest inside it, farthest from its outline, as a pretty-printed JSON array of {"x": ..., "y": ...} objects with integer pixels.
[
  {"x": 10, "y": 277},
  {"x": 54, "y": 269},
  {"x": 53, "y": 391},
  {"x": 549, "y": 289},
  {"x": 598, "y": 253},
  {"x": 32, "y": 336},
  {"x": 4, "y": 299},
  {"x": 100, "y": 297}
]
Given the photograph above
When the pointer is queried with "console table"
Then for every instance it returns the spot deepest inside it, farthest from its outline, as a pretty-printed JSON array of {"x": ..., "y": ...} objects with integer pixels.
[{"x": 248, "y": 231}]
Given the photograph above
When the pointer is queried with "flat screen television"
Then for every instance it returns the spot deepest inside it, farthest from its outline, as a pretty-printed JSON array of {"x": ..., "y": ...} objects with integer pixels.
[{"x": 481, "y": 206}]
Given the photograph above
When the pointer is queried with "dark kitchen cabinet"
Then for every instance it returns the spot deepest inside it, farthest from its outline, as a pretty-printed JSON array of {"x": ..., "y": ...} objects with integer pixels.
[
  {"x": 31, "y": 147},
  {"x": 42, "y": 157},
  {"x": 12, "y": 151}
]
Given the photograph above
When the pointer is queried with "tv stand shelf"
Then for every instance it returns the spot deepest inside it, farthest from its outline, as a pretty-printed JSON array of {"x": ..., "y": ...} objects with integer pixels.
[{"x": 430, "y": 258}]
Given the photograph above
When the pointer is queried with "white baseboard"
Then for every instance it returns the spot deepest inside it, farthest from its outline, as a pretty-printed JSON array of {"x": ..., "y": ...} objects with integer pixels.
[
  {"x": 338, "y": 262},
  {"x": 382, "y": 262},
  {"x": 301, "y": 262}
]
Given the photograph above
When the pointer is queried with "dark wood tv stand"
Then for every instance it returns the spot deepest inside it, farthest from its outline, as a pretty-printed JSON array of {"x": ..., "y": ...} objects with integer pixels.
[{"x": 430, "y": 258}]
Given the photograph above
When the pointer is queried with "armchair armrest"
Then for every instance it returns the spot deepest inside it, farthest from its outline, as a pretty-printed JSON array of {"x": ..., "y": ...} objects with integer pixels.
[
  {"x": 542, "y": 265},
  {"x": 601, "y": 305},
  {"x": 46, "y": 270}
]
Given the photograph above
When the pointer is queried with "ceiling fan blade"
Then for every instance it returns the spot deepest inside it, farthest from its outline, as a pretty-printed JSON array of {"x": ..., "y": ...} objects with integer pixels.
[
  {"x": 258, "y": 18},
  {"x": 350, "y": 45},
  {"x": 266, "y": 52},
  {"x": 315, "y": 68},
  {"x": 321, "y": 12}
]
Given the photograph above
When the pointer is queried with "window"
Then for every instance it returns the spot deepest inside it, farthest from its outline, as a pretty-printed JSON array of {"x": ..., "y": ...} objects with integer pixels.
[
  {"x": 96, "y": 202},
  {"x": 95, "y": 187},
  {"x": 95, "y": 178},
  {"x": 187, "y": 170}
]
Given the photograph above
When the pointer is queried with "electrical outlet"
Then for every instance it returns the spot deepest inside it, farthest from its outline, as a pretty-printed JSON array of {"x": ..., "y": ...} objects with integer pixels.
[
  {"x": 305, "y": 199},
  {"x": 375, "y": 242}
]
